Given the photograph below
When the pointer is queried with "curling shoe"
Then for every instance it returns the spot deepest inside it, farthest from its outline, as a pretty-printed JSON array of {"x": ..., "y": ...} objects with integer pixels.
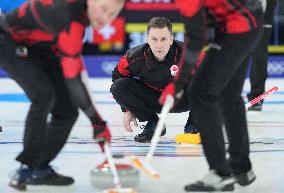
[
  {"x": 148, "y": 132},
  {"x": 189, "y": 129},
  {"x": 47, "y": 176},
  {"x": 20, "y": 178},
  {"x": 245, "y": 179},
  {"x": 212, "y": 182},
  {"x": 256, "y": 107}
]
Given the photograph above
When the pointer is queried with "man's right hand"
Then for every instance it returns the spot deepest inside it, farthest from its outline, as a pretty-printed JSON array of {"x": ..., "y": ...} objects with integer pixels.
[
  {"x": 101, "y": 132},
  {"x": 128, "y": 117}
]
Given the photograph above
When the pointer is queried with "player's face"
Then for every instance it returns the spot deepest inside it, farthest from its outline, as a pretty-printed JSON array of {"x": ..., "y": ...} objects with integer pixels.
[
  {"x": 102, "y": 12},
  {"x": 160, "y": 41}
]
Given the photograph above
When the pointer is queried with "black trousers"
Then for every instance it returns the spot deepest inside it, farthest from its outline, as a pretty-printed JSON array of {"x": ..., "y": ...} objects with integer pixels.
[
  {"x": 141, "y": 100},
  {"x": 215, "y": 93},
  {"x": 40, "y": 76},
  {"x": 259, "y": 57}
]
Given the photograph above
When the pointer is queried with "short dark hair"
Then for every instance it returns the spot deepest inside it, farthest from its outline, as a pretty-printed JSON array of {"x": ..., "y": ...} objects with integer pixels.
[{"x": 159, "y": 22}]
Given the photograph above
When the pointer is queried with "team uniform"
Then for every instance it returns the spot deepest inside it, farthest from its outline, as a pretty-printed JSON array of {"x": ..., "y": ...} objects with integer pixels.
[
  {"x": 40, "y": 48},
  {"x": 259, "y": 57},
  {"x": 215, "y": 89},
  {"x": 138, "y": 80}
]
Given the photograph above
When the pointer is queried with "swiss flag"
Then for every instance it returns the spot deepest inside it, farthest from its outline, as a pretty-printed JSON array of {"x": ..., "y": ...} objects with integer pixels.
[{"x": 111, "y": 33}]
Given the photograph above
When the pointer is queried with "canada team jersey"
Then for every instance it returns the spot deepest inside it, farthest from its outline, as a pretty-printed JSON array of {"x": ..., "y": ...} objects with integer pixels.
[
  {"x": 225, "y": 16},
  {"x": 58, "y": 22},
  {"x": 231, "y": 16},
  {"x": 140, "y": 63}
]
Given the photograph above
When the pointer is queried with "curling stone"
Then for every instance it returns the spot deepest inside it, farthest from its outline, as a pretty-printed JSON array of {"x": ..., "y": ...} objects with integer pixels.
[{"x": 101, "y": 176}]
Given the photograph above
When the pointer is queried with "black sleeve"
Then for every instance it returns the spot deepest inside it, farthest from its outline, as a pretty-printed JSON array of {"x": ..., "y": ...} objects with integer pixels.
[
  {"x": 195, "y": 38},
  {"x": 81, "y": 98},
  {"x": 116, "y": 74},
  {"x": 269, "y": 12},
  {"x": 121, "y": 69},
  {"x": 195, "y": 31}
]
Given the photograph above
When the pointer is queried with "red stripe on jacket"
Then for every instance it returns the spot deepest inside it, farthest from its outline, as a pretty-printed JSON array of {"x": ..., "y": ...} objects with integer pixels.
[{"x": 122, "y": 65}]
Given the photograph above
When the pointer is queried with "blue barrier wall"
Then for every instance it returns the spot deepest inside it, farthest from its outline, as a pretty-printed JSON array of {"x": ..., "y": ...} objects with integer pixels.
[
  {"x": 7, "y": 6},
  {"x": 102, "y": 66}
]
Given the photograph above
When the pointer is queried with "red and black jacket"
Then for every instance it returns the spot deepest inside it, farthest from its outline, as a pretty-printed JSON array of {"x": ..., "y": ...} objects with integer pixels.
[
  {"x": 140, "y": 63},
  {"x": 60, "y": 24},
  {"x": 227, "y": 16}
]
